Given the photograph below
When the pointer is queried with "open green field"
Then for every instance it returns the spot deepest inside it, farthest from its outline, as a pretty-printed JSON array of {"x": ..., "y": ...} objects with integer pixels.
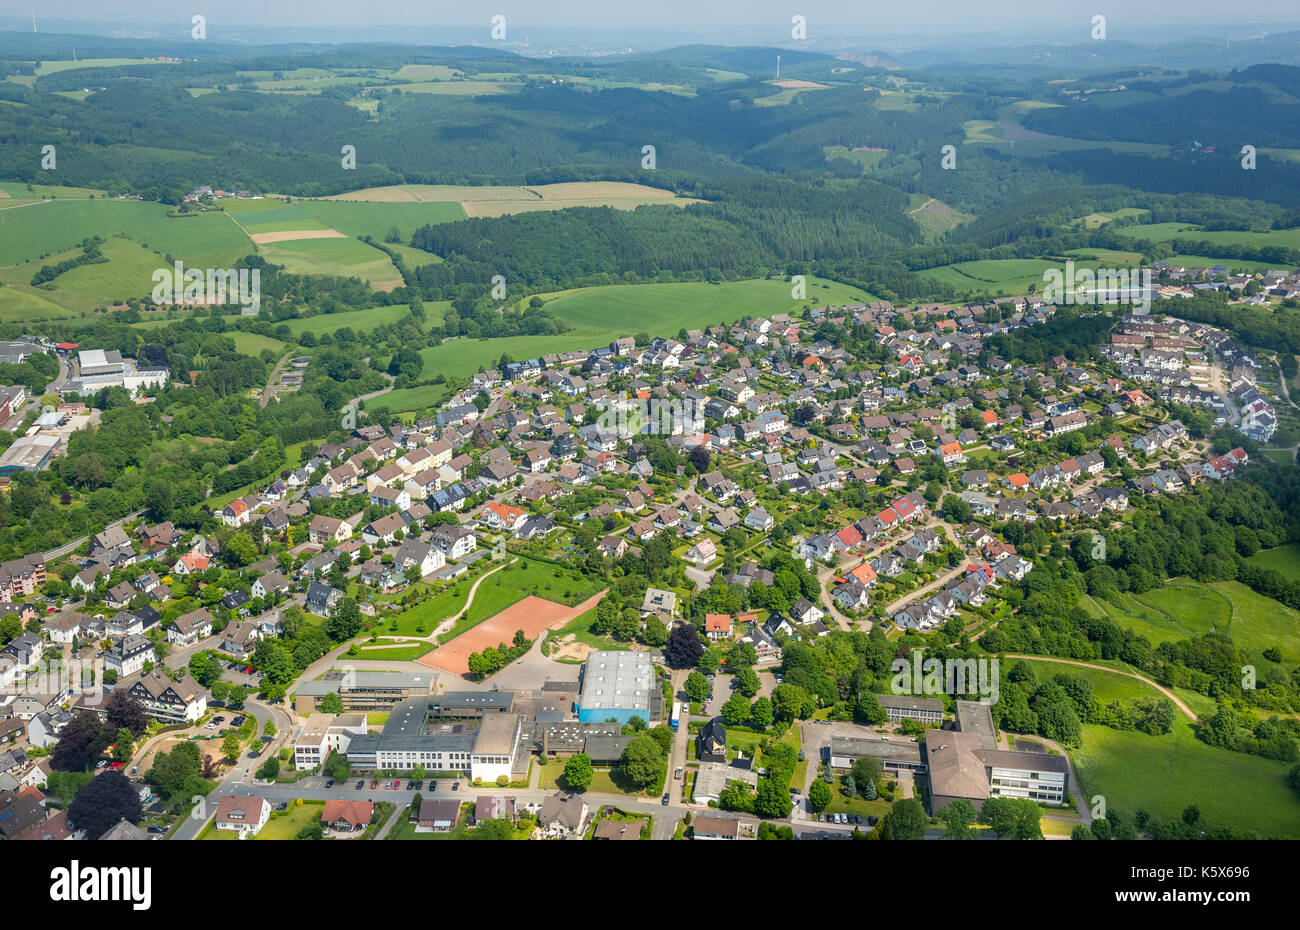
[
  {"x": 52, "y": 67},
  {"x": 127, "y": 273},
  {"x": 413, "y": 257},
  {"x": 395, "y": 653},
  {"x": 21, "y": 304},
  {"x": 346, "y": 257},
  {"x": 1095, "y": 220},
  {"x": 1164, "y": 232},
  {"x": 934, "y": 216},
  {"x": 998, "y": 276},
  {"x": 363, "y": 320},
  {"x": 1284, "y": 559},
  {"x": 1184, "y": 608},
  {"x": 20, "y": 191},
  {"x": 254, "y": 343},
  {"x": 1143, "y": 620},
  {"x": 1259, "y": 622},
  {"x": 663, "y": 309},
  {"x": 513, "y": 583},
  {"x": 376, "y": 219},
  {"x": 352, "y": 218},
  {"x": 604, "y": 780},
  {"x": 208, "y": 240},
  {"x": 269, "y": 215},
  {"x": 1164, "y": 774},
  {"x": 286, "y": 825},
  {"x": 424, "y": 73}
]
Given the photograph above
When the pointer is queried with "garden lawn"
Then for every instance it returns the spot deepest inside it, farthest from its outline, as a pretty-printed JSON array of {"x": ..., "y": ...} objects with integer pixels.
[{"x": 285, "y": 824}]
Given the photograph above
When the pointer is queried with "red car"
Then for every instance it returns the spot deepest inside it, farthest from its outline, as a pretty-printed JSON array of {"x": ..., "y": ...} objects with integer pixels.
[
  {"x": 116, "y": 766},
  {"x": 248, "y": 670}
]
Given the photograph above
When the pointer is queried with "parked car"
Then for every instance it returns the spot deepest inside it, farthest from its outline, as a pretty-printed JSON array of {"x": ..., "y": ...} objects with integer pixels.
[
  {"x": 374, "y": 784},
  {"x": 410, "y": 786},
  {"x": 419, "y": 785},
  {"x": 157, "y": 828},
  {"x": 455, "y": 786},
  {"x": 329, "y": 783},
  {"x": 255, "y": 753},
  {"x": 678, "y": 773},
  {"x": 871, "y": 821},
  {"x": 361, "y": 784},
  {"x": 665, "y": 801},
  {"x": 238, "y": 721}
]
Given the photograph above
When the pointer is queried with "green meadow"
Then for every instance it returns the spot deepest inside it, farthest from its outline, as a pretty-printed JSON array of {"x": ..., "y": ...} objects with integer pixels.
[
  {"x": 999, "y": 276},
  {"x": 601, "y": 314},
  {"x": 1284, "y": 559},
  {"x": 208, "y": 240},
  {"x": 663, "y": 309},
  {"x": 1164, "y": 774},
  {"x": 1165, "y": 232},
  {"x": 363, "y": 320},
  {"x": 1184, "y": 608},
  {"x": 346, "y": 257}
]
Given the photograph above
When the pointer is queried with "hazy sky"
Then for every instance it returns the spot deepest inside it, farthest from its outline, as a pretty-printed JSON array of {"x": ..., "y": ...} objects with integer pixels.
[{"x": 825, "y": 17}]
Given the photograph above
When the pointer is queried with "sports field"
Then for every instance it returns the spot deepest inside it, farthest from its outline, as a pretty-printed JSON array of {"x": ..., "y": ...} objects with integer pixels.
[{"x": 532, "y": 615}]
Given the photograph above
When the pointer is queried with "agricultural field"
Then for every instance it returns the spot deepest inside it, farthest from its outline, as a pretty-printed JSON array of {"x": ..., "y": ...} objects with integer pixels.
[
  {"x": 335, "y": 256},
  {"x": 663, "y": 309},
  {"x": 208, "y": 240},
  {"x": 502, "y": 200},
  {"x": 127, "y": 273},
  {"x": 17, "y": 190},
  {"x": 991, "y": 277},
  {"x": 306, "y": 237},
  {"x": 601, "y": 314},
  {"x": 1165, "y": 232},
  {"x": 353, "y": 219},
  {"x": 52, "y": 67}
]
